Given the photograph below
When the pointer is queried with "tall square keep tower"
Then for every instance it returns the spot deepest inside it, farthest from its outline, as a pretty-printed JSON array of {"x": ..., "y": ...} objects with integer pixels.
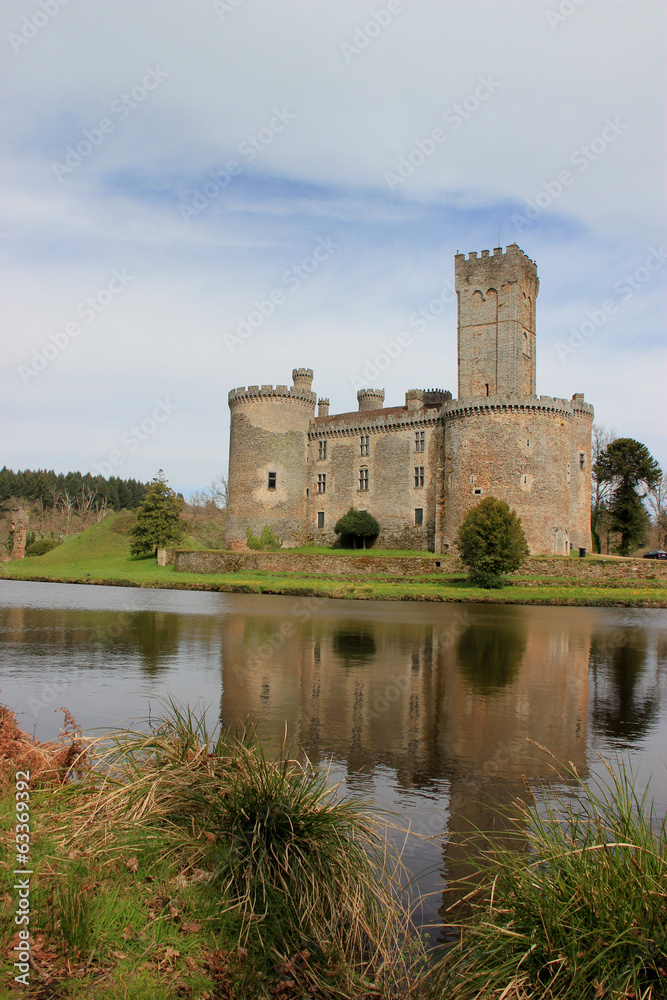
[{"x": 496, "y": 323}]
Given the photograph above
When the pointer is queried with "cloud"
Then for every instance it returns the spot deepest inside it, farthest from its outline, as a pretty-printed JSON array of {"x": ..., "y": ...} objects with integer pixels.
[{"x": 313, "y": 129}]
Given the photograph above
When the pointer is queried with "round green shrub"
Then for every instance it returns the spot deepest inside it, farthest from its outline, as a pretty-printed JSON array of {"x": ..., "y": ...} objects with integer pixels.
[
  {"x": 41, "y": 547},
  {"x": 491, "y": 541}
]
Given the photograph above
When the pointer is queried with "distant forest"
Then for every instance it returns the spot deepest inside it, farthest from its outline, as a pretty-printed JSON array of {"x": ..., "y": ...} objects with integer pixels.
[{"x": 47, "y": 487}]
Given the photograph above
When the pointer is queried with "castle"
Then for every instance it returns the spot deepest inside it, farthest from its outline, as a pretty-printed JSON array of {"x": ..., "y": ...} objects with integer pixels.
[{"x": 419, "y": 468}]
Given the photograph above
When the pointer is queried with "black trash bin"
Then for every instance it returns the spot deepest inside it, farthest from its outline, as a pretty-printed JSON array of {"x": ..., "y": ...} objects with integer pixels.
[{"x": 582, "y": 553}]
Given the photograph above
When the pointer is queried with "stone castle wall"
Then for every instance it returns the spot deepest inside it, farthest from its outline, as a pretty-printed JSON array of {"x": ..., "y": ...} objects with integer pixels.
[
  {"x": 519, "y": 451},
  {"x": 392, "y": 496}
]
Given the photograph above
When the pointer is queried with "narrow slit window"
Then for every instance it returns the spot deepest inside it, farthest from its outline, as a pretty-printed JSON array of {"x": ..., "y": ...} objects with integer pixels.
[{"x": 582, "y": 460}]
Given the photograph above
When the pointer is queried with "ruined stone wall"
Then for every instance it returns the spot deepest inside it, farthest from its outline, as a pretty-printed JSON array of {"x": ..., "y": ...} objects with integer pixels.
[
  {"x": 269, "y": 428},
  {"x": 519, "y": 451},
  {"x": 392, "y": 496}
]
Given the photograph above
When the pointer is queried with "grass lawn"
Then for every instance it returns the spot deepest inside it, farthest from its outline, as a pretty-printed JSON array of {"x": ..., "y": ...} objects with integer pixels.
[{"x": 101, "y": 555}]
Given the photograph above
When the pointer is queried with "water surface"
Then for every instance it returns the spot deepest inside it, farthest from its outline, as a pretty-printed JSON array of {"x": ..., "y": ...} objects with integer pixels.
[{"x": 429, "y": 710}]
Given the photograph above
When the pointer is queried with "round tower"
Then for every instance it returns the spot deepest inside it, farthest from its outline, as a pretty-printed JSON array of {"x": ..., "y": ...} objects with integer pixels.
[
  {"x": 370, "y": 399},
  {"x": 267, "y": 459},
  {"x": 302, "y": 379}
]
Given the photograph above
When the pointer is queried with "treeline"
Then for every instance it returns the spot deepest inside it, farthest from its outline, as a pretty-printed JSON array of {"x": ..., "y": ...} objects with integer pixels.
[{"x": 47, "y": 488}]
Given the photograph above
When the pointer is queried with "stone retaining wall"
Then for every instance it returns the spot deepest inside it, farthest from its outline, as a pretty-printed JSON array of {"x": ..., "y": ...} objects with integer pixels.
[{"x": 187, "y": 561}]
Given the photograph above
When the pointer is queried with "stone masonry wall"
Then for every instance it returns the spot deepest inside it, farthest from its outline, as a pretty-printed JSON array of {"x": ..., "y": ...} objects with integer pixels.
[
  {"x": 186, "y": 561},
  {"x": 517, "y": 451},
  {"x": 392, "y": 496}
]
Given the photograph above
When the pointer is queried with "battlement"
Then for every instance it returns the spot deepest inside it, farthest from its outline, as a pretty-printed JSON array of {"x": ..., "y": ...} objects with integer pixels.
[
  {"x": 256, "y": 393},
  {"x": 416, "y": 399},
  {"x": 513, "y": 253},
  {"x": 525, "y": 404},
  {"x": 370, "y": 399}
]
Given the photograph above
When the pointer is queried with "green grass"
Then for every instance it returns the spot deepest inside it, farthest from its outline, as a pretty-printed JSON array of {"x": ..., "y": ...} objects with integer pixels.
[
  {"x": 581, "y": 912},
  {"x": 101, "y": 555}
]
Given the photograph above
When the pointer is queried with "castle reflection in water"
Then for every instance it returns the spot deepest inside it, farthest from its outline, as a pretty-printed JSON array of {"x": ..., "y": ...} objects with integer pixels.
[
  {"x": 454, "y": 700},
  {"x": 431, "y": 706}
]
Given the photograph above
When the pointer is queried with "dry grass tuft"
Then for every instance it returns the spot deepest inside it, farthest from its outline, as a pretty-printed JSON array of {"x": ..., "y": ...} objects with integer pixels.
[{"x": 49, "y": 763}]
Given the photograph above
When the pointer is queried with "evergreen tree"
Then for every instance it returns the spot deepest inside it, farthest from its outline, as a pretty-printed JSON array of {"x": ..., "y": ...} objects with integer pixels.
[
  {"x": 491, "y": 542},
  {"x": 158, "y": 520},
  {"x": 632, "y": 471}
]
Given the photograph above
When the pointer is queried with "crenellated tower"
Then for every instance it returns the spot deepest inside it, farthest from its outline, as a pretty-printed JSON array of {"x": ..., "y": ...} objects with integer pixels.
[
  {"x": 496, "y": 323},
  {"x": 268, "y": 474}
]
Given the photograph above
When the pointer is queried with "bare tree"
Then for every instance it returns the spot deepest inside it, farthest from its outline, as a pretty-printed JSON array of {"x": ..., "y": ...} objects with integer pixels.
[
  {"x": 90, "y": 506},
  {"x": 657, "y": 501},
  {"x": 65, "y": 504},
  {"x": 601, "y": 491},
  {"x": 215, "y": 493}
]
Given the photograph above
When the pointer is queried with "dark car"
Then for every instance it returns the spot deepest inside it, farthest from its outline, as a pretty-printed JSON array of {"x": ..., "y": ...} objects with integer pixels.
[{"x": 655, "y": 554}]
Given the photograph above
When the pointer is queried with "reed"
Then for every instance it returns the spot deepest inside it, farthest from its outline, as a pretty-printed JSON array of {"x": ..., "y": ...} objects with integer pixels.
[
  {"x": 302, "y": 867},
  {"x": 582, "y": 913}
]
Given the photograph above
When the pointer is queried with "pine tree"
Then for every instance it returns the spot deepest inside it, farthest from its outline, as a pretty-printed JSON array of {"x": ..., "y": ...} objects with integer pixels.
[
  {"x": 158, "y": 519},
  {"x": 632, "y": 471}
]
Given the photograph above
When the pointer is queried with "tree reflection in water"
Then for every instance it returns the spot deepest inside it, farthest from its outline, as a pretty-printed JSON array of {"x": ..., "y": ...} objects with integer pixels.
[
  {"x": 624, "y": 705},
  {"x": 490, "y": 656},
  {"x": 353, "y": 646}
]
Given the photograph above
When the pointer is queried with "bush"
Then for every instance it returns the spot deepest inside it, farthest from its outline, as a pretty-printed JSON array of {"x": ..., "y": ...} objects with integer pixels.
[
  {"x": 299, "y": 865},
  {"x": 267, "y": 541},
  {"x": 491, "y": 542},
  {"x": 41, "y": 547},
  {"x": 355, "y": 526},
  {"x": 583, "y": 914}
]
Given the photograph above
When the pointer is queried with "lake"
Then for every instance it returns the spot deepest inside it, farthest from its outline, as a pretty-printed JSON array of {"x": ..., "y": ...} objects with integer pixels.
[{"x": 426, "y": 710}]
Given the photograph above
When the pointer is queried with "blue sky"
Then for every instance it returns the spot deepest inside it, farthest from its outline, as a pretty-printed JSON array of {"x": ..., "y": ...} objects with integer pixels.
[{"x": 171, "y": 166}]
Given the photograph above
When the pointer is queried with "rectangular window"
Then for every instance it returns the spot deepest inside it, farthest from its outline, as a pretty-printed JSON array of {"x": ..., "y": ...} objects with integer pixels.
[
  {"x": 365, "y": 444},
  {"x": 419, "y": 476},
  {"x": 321, "y": 482},
  {"x": 363, "y": 479},
  {"x": 322, "y": 449},
  {"x": 320, "y": 519},
  {"x": 420, "y": 440},
  {"x": 419, "y": 517},
  {"x": 272, "y": 480},
  {"x": 477, "y": 492}
]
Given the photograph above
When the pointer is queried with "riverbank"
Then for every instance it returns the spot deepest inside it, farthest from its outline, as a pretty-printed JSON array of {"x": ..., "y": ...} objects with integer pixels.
[
  {"x": 101, "y": 556},
  {"x": 167, "y": 861}
]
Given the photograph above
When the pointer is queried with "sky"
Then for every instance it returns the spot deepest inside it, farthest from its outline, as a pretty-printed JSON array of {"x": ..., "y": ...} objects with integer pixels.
[{"x": 205, "y": 194}]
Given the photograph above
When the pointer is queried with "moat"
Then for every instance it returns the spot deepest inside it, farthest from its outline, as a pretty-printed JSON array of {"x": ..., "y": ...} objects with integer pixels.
[{"x": 424, "y": 710}]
